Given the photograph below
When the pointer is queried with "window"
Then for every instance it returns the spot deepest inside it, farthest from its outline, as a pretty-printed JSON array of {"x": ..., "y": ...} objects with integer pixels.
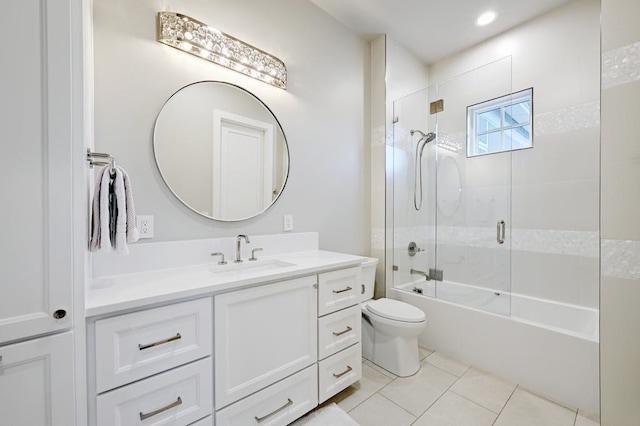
[{"x": 501, "y": 124}]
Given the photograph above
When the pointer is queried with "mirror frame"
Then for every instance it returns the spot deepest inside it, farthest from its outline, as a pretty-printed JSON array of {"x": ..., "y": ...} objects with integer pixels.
[{"x": 286, "y": 143}]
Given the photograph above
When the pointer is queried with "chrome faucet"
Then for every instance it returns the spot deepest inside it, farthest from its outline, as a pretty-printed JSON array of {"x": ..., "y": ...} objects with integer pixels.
[
  {"x": 238, "y": 238},
  {"x": 253, "y": 253},
  {"x": 424, "y": 274}
]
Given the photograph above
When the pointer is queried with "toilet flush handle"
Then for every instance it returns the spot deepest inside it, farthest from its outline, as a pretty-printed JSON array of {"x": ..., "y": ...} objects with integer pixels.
[{"x": 362, "y": 291}]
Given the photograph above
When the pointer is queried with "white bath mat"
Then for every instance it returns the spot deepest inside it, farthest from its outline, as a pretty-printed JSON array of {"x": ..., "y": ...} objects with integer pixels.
[{"x": 331, "y": 415}]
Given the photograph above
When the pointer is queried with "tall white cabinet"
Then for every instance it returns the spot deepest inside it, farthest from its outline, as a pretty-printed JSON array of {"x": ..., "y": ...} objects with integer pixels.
[{"x": 36, "y": 257}]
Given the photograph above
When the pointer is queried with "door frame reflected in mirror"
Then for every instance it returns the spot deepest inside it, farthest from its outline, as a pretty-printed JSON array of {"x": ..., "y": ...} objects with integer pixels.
[{"x": 187, "y": 137}]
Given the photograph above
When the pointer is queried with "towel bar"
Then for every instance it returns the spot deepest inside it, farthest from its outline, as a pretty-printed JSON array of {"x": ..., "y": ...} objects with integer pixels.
[{"x": 110, "y": 161}]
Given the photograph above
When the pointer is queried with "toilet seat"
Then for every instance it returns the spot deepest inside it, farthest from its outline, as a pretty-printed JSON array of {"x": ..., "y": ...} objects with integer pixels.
[{"x": 396, "y": 310}]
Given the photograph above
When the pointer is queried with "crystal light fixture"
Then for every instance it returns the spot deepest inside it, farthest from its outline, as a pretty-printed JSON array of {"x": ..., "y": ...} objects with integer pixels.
[{"x": 191, "y": 36}]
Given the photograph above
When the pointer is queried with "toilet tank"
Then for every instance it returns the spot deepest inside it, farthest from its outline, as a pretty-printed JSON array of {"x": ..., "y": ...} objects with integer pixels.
[{"x": 368, "y": 278}]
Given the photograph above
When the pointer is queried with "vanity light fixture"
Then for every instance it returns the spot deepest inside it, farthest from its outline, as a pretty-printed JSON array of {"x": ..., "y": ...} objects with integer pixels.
[
  {"x": 199, "y": 39},
  {"x": 486, "y": 18}
]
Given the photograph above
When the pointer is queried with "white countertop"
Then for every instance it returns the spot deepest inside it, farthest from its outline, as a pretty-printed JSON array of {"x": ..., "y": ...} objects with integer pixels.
[{"x": 116, "y": 293}]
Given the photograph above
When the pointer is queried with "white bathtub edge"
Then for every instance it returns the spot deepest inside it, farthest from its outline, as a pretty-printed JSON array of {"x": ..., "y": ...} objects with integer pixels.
[{"x": 559, "y": 366}]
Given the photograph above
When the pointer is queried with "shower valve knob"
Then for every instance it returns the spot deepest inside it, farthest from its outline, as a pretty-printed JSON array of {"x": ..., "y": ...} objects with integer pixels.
[{"x": 413, "y": 249}]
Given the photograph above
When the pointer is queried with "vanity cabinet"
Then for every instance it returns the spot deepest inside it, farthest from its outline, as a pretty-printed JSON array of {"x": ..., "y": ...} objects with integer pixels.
[
  {"x": 264, "y": 354},
  {"x": 339, "y": 331},
  {"x": 262, "y": 335},
  {"x": 154, "y": 365}
]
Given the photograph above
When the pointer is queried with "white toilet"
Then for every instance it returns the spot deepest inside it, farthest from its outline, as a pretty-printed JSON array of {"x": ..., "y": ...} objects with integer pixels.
[{"x": 390, "y": 328}]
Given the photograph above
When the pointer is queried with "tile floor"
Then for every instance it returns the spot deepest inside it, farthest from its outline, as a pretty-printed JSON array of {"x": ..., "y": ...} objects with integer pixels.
[{"x": 446, "y": 393}]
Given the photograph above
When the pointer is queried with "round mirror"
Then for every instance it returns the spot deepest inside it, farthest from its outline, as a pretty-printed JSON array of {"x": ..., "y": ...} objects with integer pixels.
[
  {"x": 221, "y": 151},
  {"x": 449, "y": 186}
]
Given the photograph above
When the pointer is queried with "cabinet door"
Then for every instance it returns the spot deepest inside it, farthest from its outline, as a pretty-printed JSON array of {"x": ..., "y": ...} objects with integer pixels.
[
  {"x": 263, "y": 334},
  {"x": 35, "y": 159},
  {"x": 36, "y": 382}
]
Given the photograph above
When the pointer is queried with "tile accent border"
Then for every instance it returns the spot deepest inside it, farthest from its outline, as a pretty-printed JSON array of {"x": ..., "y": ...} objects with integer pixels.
[
  {"x": 564, "y": 242},
  {"x": 575, "y": 243},
  {"x": 621, "y": 259},
  {"x": 576, "y": 117},
  {"x": 621, "y": 65}
]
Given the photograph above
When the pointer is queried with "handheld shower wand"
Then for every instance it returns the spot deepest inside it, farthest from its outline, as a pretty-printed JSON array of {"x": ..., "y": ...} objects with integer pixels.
[{"x": 422, "y": 142}]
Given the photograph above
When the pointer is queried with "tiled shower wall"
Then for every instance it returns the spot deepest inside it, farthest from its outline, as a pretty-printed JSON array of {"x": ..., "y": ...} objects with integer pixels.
[
  {"x": 620, "y": 215},
  {"x": 552, "y": 190}
]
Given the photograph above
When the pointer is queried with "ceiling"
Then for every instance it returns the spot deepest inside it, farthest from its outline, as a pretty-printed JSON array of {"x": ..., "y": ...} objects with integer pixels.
[{"x": 433, "y": 29}]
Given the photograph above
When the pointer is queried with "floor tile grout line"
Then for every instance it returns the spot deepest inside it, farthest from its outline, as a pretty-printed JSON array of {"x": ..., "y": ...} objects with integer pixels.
[
  {"x": 506, "y": 403},
  {"x": 449, "y": 372},
  {"x": 402, "y": 408},
  {"x": 474, "y": 402},
  {"x": 378, "y": 391},
  {"x": 553, "y": 401},
  {"x": 442, "y": 394}
]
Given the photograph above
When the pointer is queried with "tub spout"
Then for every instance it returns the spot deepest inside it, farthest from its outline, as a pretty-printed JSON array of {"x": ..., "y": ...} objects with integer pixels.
[{"x": 424, "y": 274}]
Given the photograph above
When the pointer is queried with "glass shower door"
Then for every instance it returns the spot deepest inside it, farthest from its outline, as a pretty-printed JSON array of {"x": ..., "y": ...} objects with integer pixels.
[
  {"x": 414, "y": 220},
  {"x": 473, "y": 189}
]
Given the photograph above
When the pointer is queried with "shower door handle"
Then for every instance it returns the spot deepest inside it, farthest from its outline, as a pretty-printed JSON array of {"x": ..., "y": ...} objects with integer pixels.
[{"x": 500, "y": 232}]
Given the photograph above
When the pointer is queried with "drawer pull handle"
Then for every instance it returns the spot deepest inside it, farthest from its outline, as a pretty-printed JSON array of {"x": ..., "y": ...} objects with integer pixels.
[
  {"x": 288, "y": 403},
  {"x": 160, "y": 342},
  {"x": 144, "y": 416},
  {"x": 342, "y": 332},
  {"x": 343, "y": 290},
  {"x": 343, "y": 373}
]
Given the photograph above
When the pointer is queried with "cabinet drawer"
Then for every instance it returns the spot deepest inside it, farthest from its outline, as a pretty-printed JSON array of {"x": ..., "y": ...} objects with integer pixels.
[
  {"x": 177, "y": 397},
  {"x": 338, "y": 331},
  {"x": 133, "y": 346},
  {"x": 338, "y": 289},
  {"x": 278, "y": 404},
  {"x": 339, "y": 371},
  {"x": 262, "y": 335}
]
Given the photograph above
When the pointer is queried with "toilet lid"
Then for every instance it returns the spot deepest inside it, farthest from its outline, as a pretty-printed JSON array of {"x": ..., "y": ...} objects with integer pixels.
[{"x": 396, "y": 310}]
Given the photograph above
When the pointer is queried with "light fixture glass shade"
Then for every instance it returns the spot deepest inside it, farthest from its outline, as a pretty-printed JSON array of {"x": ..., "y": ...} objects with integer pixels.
[{"x": 199, "y": 39}]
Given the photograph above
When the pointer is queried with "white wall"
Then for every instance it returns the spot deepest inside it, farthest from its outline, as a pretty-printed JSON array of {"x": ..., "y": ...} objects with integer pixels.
[
  {"x": 620, "y": 286},
  {"x": 551, "y": 191},
  {"x": 324, "y": 111},
  {"x": 379, "y": 174}
]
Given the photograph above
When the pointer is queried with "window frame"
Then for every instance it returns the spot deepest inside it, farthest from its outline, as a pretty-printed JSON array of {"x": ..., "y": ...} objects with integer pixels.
[{"x": 501, "y": 102}]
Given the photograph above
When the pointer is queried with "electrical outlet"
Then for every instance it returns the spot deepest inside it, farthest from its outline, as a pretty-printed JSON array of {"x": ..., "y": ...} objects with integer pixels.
[
  {"x": 288, "y": 222},
  {"x": 144, "y": 223}
]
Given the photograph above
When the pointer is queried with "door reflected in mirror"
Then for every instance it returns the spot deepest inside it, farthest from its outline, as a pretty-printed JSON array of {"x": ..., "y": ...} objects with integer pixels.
[{"x": 221, "y": 151}]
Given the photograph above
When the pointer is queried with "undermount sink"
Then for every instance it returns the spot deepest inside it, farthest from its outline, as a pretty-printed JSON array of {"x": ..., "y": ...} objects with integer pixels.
[{"x": 249, "y": 267}]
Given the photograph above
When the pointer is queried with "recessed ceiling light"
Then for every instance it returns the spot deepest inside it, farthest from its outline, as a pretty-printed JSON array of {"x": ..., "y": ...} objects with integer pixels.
[{"x": 486, "y": 18}]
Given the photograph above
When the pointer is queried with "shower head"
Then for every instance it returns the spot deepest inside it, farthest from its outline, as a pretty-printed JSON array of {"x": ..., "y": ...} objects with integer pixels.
[
  {"x": 428, "y": 137},
  {"x": 422, "y": 143}
]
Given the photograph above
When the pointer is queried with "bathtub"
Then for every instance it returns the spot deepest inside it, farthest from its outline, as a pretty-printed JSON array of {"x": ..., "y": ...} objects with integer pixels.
[
  {"x": 548, "y": 347},
  {"x": 574, "y": 320}
]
